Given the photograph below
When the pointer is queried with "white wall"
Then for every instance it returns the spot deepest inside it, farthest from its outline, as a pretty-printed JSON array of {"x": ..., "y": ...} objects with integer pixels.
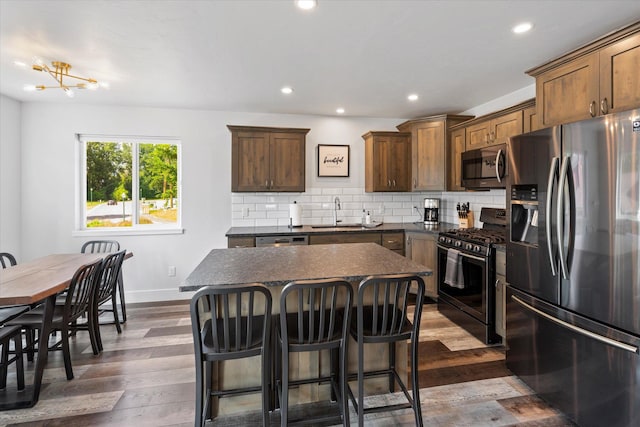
[
  {"x": 49, "y": 170},
  {"x": 10, "y": 188},
  {"x": 43, "y": 174}
]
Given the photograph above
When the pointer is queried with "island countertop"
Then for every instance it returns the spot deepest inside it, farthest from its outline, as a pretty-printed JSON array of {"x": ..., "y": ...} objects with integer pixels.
[{"x": 275, "y": 266}]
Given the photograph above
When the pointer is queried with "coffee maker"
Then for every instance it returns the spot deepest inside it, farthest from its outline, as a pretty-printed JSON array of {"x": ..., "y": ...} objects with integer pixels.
[{"x": 431, "y": 208}]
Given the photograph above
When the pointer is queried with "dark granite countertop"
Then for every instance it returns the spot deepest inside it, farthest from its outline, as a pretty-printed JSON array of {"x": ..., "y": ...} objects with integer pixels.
[
  {"x": 275, "y": 266},
  {"x": 308, "y": 229}
]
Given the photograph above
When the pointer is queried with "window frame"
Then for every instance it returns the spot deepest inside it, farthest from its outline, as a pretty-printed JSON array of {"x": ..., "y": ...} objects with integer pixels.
[{"x": 81, "y": 228}]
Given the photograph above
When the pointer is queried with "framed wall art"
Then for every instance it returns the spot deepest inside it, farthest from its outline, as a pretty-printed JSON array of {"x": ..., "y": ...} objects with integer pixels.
[{"x": 333, "y": 160}]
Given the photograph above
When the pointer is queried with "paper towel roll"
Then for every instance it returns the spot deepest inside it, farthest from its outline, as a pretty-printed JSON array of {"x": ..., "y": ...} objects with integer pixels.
[{"x": 295, "y": 214}]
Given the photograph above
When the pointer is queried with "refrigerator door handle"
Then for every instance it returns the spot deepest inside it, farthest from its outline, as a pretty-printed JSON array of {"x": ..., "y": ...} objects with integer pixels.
[
  {"x": 560, "y": 217},
  {"x": 577, "y": 329},
  {"x": 498, "y": 156},
  {"x": 552, "y": 176}
]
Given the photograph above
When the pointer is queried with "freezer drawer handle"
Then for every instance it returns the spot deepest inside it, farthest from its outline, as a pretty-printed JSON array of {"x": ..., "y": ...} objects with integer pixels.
[{"x": 574, "y": 328}]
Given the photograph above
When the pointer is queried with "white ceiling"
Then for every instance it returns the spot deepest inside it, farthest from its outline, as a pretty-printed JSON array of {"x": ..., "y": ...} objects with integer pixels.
[{"x": 364, "y": 56}]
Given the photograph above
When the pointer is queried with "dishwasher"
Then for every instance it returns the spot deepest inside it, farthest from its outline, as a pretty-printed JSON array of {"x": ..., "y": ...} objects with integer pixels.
[{"x": 265, "y": 241}]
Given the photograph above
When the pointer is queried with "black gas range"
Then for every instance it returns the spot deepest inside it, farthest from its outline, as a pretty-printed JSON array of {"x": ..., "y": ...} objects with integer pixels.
[{"x": 466, "y": 274}]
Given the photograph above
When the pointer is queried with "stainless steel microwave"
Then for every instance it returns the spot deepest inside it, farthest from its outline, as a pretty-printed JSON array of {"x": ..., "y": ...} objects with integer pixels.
[{"x": 485, "y": 168}]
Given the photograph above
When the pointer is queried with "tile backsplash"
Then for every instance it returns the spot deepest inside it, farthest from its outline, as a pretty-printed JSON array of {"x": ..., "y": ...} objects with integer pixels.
[{"x": 270, "y": 209}]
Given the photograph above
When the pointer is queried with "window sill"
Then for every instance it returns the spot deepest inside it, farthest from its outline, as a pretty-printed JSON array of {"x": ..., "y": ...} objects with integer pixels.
[{"x": 125, "y": 232}]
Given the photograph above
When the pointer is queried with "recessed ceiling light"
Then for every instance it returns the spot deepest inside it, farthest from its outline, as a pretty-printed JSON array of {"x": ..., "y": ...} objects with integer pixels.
[
  {"x": 20, "y": 64},
  {"x": 340, "y": 110},
  {"x": 306, "y": 4},
  {"x": 412, "y": 97},
  {"x": 522, "y": 28},
  {"x": 286, "y": 90}
]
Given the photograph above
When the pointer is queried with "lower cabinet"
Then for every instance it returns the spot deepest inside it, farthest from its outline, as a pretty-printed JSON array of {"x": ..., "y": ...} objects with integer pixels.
[
  {"x": 422, "y": 248},
  {"x": 241, "y": 242},
  {"x": 392, "y": 240}
]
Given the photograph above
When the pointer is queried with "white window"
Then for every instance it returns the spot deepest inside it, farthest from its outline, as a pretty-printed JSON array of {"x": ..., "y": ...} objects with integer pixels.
[{"x": 128, "y": 185}]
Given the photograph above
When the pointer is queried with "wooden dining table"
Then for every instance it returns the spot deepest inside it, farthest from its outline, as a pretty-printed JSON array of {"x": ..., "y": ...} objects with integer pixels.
[{"x": 39, "y": 280}]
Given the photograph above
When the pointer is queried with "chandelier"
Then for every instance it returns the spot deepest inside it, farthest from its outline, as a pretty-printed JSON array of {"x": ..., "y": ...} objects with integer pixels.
[{"x": 60, "y": 73}]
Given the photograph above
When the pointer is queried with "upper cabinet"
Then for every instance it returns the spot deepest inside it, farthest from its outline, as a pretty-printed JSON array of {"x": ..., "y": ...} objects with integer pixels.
[
  {"x": 599, "y": 78},
  {"x": 387, "y": 160},
  {"x": 267, "y": 159},
  {"x": 494, "y": 131},
  {"x": 432, "y": 158},
  {"x": 456, "y": 148}
]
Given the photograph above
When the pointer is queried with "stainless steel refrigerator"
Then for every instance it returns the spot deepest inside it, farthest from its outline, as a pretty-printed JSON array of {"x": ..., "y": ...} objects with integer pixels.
[{"x": 573, "y": 267}]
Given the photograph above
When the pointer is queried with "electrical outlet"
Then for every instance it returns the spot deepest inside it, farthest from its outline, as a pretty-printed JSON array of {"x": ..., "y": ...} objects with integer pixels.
[
  {"x": 245, "y": 212},
  {"x": 172, "y": 271}
]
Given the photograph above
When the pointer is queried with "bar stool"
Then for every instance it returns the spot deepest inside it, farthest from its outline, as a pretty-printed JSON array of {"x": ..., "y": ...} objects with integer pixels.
[
  {"x": 228, "y": 323},
  {"x": 382, "y": 317},
  {"x": 314, "y": 316}
]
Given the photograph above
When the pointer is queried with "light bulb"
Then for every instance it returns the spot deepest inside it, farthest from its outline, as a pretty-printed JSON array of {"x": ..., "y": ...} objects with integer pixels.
[
  {"x": 306, "y": 4},
  {"x": 340, "y": 110},
  {"x": 287, "y": 90},
  {"x": 29, "y": 88},
  {"x": 412, "y": 97},
  {"x": 69, "y": 92},
  {"x": 93, "y": 86},
  {"x": 522, "y": 28},
  {"x": 104, "y": 85}
]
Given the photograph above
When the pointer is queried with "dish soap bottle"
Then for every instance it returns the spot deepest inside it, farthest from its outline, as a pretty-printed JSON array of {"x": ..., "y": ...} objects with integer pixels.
[
  {"x": 364, "y": 217},
  {"x": 367, "y": 218}
]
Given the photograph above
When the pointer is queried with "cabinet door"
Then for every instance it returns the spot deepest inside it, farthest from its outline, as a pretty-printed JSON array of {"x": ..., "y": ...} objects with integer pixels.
[
  {"x": 250, "y": 157},
  {"x": 380, "y": 165},
  {"x": 454, "y": 172},
  {"x": 333, "y": 238},
  {"x": 421, "y": 248},
  {"x": 530, "y": 120},
  {"x": 478, "y": 135},
  {"x": 505, "y": 126},
  {"x": 399, "y": 172},
  {"x": 429, "y": 157},
  {"x": 287, "y": 171},
  {"x": 568, "y": 93},
  {"x": 620, "y": 76}
]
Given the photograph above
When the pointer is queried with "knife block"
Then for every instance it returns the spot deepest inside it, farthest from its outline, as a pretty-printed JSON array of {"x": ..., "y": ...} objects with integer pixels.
[{"x": 466, "y": 222}]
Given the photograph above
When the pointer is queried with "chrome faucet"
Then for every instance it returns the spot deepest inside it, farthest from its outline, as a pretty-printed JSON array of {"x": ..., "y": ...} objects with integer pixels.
[{"x": 336, "y": 208}]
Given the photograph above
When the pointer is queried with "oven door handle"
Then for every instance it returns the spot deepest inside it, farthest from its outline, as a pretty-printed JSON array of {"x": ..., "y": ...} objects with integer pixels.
[{"x": 477, "y": 258}]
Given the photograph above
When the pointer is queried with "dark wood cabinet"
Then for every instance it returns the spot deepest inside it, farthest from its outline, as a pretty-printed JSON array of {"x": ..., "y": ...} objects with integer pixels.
[
  {"x": 267, "y": 159},
  {"x": 387, "y": 161},
  {"x": 422, "y": 248},
  {"x": 431, "y": 159},
  {"x": 456, "y": 148},
  {"x": 599, "y": 78},
  {"x": 494, "y": 131}
]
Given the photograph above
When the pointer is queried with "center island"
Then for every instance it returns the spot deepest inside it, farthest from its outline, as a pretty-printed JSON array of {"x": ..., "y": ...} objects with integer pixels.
[{"x": 277, "y": 266}]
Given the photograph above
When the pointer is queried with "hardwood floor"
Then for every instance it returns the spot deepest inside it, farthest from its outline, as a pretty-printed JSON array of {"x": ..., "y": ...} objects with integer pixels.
[{"x": 145, "y": 377}]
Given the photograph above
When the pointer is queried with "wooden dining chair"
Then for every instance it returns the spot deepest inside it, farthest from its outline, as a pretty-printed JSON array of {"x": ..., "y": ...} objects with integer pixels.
[
  {"x": 79, "y": 296},
  {"x": 229, "y": 323},
  {"x": 383, "y": 309},
  {"x": 106, "y": 246},
  {"x": 314, "y": 316}
]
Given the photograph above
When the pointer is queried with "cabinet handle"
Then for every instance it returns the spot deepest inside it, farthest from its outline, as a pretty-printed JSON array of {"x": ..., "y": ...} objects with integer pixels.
[
  {"x": 604, "y": 106},
  {"x": 415, "y": 183},
  {"x": 492, "y": 136},
  {"x": 272, "y": 183},
  {"x": 266, "y": 183},
  {"x": 388, "y": 183},
  {"x": 592, "y": 108},
  {"x": 394, "y": 183}
]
